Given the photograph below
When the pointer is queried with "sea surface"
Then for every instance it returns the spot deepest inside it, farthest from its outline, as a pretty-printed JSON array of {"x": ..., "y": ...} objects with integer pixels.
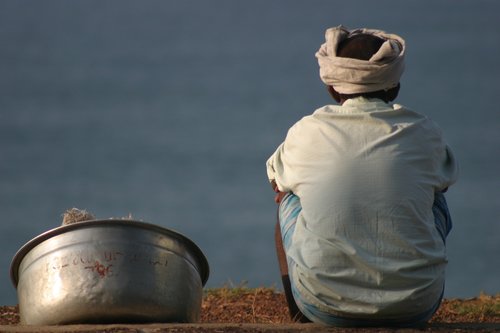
[{"x": 168, "y": 110}]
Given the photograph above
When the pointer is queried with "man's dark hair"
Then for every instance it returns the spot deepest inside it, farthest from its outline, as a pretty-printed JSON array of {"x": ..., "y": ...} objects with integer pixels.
[
  {"x": 363, "y": 46},
  {"x": 359, "y": 46}
]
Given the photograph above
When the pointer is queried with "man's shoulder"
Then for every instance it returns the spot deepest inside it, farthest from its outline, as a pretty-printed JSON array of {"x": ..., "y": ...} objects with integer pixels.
[
  {"x": 327, "y": 109},
  {"x": 421, "y": 118},
  {"x": 318, "y": 114}
]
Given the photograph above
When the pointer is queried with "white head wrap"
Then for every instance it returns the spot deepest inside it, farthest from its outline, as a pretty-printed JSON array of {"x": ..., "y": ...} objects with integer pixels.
[{"x": 351, "y": 76}]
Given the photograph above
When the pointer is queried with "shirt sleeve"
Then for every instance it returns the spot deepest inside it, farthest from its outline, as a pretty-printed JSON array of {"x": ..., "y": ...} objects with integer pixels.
[
  {"x": 275, "y": 168},
  {"x": 282, "y": 166},
  {"x": 449, "y": 169},
  {"x": 271, "y": 173}
]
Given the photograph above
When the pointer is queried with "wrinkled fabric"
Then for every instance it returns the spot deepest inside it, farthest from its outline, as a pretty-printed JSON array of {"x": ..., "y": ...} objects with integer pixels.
[
  {"x": 288, "y": 212},
  {"x": 365, "y": 242},
  {"x": 350, "y": 76}
]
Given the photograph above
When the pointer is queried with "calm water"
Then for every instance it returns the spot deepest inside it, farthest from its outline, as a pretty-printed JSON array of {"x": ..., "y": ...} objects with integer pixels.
[{"x": 169, "y": 110}]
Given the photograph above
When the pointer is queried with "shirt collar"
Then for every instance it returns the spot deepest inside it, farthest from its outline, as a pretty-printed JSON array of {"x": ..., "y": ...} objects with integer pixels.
[{"x": 357, "y": 101}]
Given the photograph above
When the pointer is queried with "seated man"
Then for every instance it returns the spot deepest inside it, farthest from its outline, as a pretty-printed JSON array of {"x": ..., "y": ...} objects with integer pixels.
[{"x": 362, "y": 215}]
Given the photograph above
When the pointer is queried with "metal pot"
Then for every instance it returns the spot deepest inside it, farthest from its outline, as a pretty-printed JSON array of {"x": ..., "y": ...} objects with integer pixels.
[{"x": 109, "y": 271}]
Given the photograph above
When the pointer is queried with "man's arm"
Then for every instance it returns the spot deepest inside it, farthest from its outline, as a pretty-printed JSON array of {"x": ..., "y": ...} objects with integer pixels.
[{"x": 279, "y": 195}]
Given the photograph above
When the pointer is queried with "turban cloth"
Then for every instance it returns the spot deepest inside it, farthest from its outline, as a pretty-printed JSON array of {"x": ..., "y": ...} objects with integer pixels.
[{"x": 351, "y": 76}]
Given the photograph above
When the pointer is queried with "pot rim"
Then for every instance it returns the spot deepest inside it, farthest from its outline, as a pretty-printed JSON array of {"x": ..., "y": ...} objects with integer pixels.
[{"x": 26, "y": 248}]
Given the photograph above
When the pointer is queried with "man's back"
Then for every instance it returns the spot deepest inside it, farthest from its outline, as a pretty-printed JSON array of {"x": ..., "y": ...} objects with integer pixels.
[{"x": 366, "y": 174}]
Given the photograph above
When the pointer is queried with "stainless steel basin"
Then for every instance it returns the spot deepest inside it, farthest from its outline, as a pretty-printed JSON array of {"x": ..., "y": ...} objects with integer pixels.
[{"x": 109, "y": 271}]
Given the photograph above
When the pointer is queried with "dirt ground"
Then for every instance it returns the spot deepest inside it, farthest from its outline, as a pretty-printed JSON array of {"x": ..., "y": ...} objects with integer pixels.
[
  {"x": 242, "y": 305},
  {"x": 264, "y": 310}
]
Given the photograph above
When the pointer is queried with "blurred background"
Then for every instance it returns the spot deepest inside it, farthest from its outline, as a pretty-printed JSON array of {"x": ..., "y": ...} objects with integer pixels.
[{"x": 168, "y": 110}]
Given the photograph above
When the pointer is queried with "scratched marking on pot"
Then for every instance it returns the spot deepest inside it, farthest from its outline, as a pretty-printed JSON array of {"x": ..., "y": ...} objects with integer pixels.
[
  {"x": 94, "y": 260},
  {"x": 100, "y": 269}
]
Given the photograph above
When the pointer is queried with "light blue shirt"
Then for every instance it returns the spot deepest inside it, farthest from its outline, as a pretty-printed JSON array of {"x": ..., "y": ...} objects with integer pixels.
[{"x": 365, "y": 241}]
